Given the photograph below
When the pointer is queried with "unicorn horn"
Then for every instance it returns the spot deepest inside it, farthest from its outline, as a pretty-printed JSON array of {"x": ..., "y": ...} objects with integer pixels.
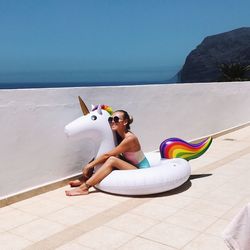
[{"x": 84, "y": 108}]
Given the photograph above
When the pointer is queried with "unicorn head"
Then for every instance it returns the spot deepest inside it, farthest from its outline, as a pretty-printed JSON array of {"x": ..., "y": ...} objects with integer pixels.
[{"x": 93, "y": 124}]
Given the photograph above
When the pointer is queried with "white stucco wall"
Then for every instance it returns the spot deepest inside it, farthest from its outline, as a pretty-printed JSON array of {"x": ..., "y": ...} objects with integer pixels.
[{"x": 35, "y": 151}]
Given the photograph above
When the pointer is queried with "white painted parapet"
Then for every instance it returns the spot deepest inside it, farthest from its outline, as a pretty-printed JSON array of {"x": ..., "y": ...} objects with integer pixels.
[{"x": 34, "y": 150}]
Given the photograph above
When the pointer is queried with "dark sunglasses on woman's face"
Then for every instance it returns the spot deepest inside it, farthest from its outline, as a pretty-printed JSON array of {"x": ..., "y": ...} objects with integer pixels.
[{"x": 116, "y": 119}]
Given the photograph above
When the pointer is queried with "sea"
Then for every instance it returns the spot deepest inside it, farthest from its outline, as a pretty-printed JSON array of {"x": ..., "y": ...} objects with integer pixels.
[{"x": 90, "y": 78}]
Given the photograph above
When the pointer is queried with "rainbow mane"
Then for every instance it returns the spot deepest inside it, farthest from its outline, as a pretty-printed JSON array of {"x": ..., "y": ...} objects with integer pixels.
[
  {"x": 177, "y": 148},
  {"x": 104, "y": 107}
]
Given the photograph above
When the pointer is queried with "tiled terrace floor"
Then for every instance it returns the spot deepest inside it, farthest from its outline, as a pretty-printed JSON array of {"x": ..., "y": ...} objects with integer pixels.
[{"x": 189, "y": 218}]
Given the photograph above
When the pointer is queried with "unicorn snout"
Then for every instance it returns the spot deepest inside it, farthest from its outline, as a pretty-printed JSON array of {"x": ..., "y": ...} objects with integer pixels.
[
  {"x": 70, "y": 129},
  {"x": 67, "y": 130},
  {"x": 74, "y": 127}
]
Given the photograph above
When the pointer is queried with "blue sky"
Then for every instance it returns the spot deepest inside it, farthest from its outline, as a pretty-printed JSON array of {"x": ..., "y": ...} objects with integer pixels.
[{"x": 56, "y": 37}]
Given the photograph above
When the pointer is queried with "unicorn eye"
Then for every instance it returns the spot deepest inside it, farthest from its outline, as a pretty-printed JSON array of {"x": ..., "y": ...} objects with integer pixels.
[{"x": 93, "y": 117}]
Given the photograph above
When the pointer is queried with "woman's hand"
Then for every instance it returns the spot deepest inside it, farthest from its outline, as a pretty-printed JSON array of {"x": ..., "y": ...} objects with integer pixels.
[{"x": 86, "y": 171}]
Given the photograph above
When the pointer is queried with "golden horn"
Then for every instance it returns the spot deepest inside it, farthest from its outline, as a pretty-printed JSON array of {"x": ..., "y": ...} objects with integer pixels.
[{"x": 84, "y": 108}]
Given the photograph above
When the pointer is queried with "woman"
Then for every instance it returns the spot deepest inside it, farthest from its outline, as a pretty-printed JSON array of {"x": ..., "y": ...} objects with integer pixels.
[{"x": 127, "y": 155}]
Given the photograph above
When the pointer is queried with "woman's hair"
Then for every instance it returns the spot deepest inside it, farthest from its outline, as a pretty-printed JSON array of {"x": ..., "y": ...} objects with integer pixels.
[{"x": 127, "y": 117}]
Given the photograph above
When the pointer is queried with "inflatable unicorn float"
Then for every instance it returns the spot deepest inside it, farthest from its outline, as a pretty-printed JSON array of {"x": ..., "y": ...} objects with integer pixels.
[{"x": 169, "y": 168}]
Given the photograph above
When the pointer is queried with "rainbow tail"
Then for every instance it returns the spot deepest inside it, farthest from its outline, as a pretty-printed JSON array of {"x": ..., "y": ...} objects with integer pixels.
[{"x": 177, "y": 148}]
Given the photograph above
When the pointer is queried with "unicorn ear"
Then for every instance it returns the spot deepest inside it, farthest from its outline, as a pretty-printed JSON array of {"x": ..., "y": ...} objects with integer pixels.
[
  {"x": 92, "y": 106},
  {"x": 83, "y": 106},
  {"x": 99, "y": 109}
]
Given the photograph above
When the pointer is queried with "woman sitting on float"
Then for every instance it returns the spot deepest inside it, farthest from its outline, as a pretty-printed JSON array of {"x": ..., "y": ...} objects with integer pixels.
[
  {"x": 127, "y": 155},
  {"x": 118, "y": 149}
]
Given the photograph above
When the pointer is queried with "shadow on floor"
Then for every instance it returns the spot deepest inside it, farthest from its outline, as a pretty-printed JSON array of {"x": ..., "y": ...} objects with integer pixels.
[{"x": 196, "y": 176}]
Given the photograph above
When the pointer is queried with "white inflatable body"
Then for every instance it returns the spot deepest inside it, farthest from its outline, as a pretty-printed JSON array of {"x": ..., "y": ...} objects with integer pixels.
[{"x": 163, "y": 175}]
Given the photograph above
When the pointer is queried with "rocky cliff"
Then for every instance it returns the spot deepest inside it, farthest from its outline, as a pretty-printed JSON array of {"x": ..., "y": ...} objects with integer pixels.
[{"x": 202, "y": 63}]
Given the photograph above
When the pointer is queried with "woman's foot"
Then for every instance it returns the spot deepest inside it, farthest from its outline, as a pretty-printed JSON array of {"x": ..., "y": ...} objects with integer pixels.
[
  {"x": 82, "y": 190},
  {"x": 76, "y": 191},
  {"x": 76, "y": 183}
]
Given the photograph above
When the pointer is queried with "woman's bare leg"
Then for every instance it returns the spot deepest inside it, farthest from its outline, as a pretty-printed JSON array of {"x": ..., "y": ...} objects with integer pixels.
[{"x": 100, "y": 174}]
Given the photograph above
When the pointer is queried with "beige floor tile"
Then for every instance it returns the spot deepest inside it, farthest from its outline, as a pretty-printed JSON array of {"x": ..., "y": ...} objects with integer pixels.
[
  {"x": 229, "y": 170},
  {"x": 154, "y": 210},
  {"x": 54, "y": 193},
  {"x": 229, "y": 215},
  {"x": 9, "y": 241},
  {"x": 170, "y": 235},
  {"x": 41, "y": 207},
  {"x": 144, "y": 244},
  {"x": 221, "y": 197},
  {"x": 104, "y": 238},
  {"x": 203, "y": 161},
  {"x": 38, "y": 229},
  {"x": 194, "y": 192},
  {"x": 72, "y": 215},
  {"x": 241, "y": 163},
  {"x": 176, "y": 201},
  {"x": 7, "y": 209},
  {"x": 206, "y": 242},
  {"x": 246, "y": 156},
  {"x": 208, "y": 208},
  {"x": 118, "y": 198},
  {"x": 219, "y": 152},
  {"x": 72, "y": 246},
  {"x": 218, "y": 227},
  {"x": 14, "y": 218},
  {"x": 241, "y": 183},
  {"x": 102, "y": 202},
  {"x": 235, "y": 188},
  {"x": 132, "y": 223},
  {"x": 192, "y": 220},
  {"x": 212, "y": 181},
  {"x": 201, "y": 186},
  {"x": 25, "y": 202},
  {"x": 235, "y": 170},
  {"x": 230, "y": 146}
]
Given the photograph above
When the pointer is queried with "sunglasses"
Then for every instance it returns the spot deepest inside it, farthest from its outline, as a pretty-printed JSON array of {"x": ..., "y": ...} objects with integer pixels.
[{"x": 116, "y": 119}]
